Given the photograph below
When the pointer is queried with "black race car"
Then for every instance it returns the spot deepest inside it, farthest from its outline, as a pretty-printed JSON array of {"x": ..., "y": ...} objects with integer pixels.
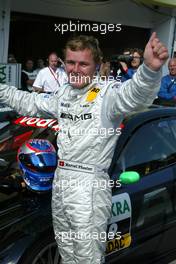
[{"x": 143, "y": 203}]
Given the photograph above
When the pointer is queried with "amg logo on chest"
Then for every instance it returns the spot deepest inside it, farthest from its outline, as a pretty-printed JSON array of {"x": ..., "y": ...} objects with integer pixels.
[{"x": 76, "y": 117}]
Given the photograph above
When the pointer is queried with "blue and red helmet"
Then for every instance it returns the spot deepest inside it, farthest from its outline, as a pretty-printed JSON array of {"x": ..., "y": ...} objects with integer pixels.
[{"x": 37, "y": 159}]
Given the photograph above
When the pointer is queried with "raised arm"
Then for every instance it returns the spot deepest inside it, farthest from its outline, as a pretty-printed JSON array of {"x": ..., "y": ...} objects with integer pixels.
[
  {"x": 141, "y": 90},
  {"x": 28, "y": 103}
]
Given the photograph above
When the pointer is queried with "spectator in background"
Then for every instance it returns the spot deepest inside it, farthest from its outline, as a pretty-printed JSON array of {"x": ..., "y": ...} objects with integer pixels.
[
  {"x": 52, "y": 77},
  {"x": 40, "y": 65},
  {"x": 11, "y": 58},
  {"x": 28, "y": 76},
  {"x": 120, "y": 64},
  {"x": 167, "y": 93},
  {"x": 105, "y": 70},
  {"x": 124, "y": 65},
  {"x": 134, "y": 65}
]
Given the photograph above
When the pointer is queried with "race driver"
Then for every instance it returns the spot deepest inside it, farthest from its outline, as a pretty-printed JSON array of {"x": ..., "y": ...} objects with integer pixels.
[{"x": 80, "y": 206}]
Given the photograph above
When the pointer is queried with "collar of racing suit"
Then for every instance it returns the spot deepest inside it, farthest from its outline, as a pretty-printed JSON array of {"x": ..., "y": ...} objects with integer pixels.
[{"x": 74, "y": 92}]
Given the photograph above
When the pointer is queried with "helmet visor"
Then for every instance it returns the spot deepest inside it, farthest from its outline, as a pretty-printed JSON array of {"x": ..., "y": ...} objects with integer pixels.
[{"x": 45, "y": 162}]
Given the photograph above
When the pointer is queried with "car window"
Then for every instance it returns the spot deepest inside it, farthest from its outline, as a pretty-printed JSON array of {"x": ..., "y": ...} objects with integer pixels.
[
  {"x": 150, "y": 148},
  {"x": 172, "y": 124}
]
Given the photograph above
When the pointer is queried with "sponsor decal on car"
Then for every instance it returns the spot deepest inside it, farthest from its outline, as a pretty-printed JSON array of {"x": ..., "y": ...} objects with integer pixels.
[
  {"x": 37, "y": 122},
  {"x": 117, "y": 244},
  {"x": 119, "y": 228},
  {"x": 121, "y": 207}
]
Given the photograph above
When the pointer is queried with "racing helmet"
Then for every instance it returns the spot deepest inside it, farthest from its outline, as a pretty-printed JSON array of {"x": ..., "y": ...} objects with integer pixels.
[{"x": 37, "y": 159}]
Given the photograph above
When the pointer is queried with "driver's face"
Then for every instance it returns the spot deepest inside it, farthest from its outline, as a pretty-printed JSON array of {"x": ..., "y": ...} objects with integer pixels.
[{"x": 80, "y": 67}]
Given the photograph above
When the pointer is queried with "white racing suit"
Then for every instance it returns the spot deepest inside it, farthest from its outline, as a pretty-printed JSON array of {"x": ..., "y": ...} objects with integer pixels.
[{"x": 89, "y": 119}]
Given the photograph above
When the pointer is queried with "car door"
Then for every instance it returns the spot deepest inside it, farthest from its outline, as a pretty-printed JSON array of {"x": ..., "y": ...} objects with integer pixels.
[
  {"x": 167, "y": 245},
  {"x": 145, "y": 207}
]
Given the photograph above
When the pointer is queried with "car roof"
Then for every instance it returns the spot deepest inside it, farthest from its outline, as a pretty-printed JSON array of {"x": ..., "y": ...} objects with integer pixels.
[{"x": 154, "y": 112}]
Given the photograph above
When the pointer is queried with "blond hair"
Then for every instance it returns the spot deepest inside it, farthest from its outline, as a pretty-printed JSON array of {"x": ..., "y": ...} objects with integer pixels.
[{"x": 83, "y": 42}]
